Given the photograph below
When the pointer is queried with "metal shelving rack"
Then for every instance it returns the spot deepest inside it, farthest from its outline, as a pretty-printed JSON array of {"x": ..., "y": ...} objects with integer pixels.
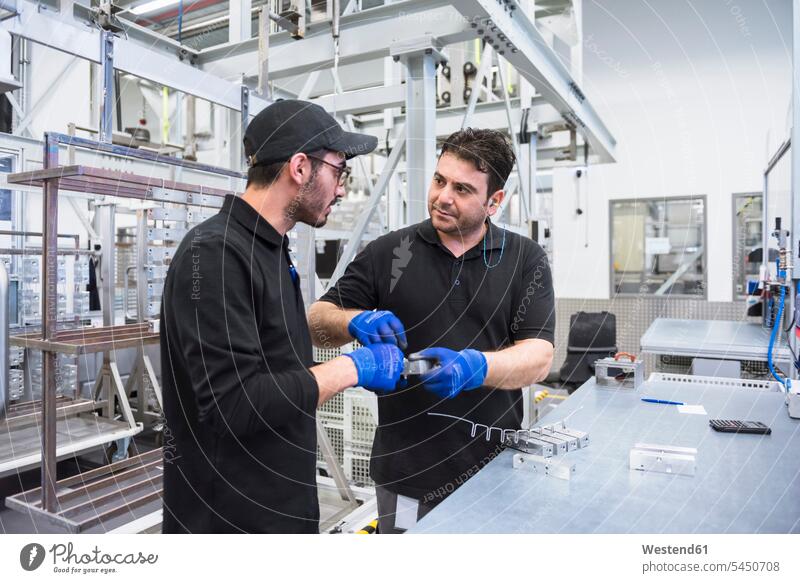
[{"x": 53, "y": 416}]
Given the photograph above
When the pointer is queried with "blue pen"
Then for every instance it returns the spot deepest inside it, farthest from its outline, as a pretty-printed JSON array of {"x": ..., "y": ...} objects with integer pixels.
[{"x": 661, "y": 402}]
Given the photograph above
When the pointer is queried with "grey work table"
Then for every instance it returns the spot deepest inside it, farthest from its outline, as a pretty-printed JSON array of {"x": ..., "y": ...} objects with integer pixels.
[
  {"x": 743, "y": 483},
  {"x": 712, "y": 338}
]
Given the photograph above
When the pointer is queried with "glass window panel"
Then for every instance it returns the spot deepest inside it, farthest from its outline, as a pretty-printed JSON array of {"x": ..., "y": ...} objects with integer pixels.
[
  {"x": 747, "y": 232},
  {"x": 657, "y": 246}
]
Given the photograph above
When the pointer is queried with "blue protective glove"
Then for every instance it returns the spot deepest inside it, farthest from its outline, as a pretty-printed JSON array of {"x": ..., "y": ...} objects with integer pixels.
[
  {"x": 381, "y": 327},
  {"x": 456, "y": 372},
  {"x": 379, "y": 366}
]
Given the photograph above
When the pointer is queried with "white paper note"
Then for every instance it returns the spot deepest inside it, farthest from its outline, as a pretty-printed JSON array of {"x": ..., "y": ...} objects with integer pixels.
[{"x": 692, "y": 409}]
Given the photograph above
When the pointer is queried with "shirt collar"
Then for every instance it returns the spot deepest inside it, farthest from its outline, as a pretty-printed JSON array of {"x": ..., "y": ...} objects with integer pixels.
[
  {"x": 493, "y": 237},
  {"x": 248, "y": 217}
]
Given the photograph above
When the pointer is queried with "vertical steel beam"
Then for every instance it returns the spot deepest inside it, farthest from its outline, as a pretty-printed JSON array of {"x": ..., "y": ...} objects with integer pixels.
[
  {"x": 4, "y": 323},
  {"x": 49, "y": 323},
  {"x": 420, "y": 127},
  {"x": 245, "y": 113},
  {"x": 532, "y": 163},
  {"x": 795, "y": 172},
  {"x": 237, "y": 124},
  {"x": 483, "y": 69},
  {"x": 523, "y": 192},
  {"x": 104, "y": 219},
  {"x": 263, "y": 52},
  {"x": 457, "y": 80},
  {"x": 107, "y": 104},
  {"x": 795, "y": 152},
  {"x": 239, "y": 20}
]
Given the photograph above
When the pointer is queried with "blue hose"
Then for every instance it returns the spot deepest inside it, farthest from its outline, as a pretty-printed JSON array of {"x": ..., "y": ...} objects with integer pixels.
[{"x": 785, "y": 382}]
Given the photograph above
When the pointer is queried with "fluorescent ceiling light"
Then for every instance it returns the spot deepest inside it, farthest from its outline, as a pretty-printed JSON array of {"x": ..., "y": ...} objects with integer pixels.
[{"x": 152, "y": 6}]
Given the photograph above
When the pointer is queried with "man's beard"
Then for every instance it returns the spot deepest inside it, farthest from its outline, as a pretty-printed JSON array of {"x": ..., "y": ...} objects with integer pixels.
[
  {"x": 307, "y": 206},
  {"x": 458, "y": 226}
]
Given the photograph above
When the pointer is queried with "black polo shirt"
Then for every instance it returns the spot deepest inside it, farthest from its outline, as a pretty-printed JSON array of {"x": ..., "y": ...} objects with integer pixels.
[
  {"x": 495, "y": 294},
  {"x": 240, "y": 438}
]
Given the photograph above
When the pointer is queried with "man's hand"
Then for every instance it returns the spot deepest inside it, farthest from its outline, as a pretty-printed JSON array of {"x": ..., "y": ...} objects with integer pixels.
[
  {"x": 379, "y": 366},
  {"x": 381, "y": 327},
  {"x": 456, "y": 372}
]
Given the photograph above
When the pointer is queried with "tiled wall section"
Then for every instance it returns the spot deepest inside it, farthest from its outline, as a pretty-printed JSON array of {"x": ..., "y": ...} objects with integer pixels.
[{"x": 634, "y": 316}]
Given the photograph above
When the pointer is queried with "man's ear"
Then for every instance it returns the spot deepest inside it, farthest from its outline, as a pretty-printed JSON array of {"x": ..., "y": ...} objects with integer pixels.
[
  {"x": 297, "y": 166},
  {"x": 495, "y": 200}
]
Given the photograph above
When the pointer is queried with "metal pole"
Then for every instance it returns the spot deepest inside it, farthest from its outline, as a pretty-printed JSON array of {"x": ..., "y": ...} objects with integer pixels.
[
  {"x": 4, "y": 387},
  {"x": 523, "y": 191},
  {"x": 245, "y": 113},
  {"x": 483, "y": 69},
  {"x": 263, "y": 52},
  {"x": 49, "y": 324},
  {"x": 104, "y": 216},
  {"x": 107, "y": 105},
  {"x": 795, "y": 139},
  {"x": 532, "y": 162},
  {"x": 420, "y": 131},
  {"x": 795, "y": 153}
]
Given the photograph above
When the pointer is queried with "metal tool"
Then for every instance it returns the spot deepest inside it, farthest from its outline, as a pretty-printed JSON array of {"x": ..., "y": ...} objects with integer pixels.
[{"x": 417, "y": 364}]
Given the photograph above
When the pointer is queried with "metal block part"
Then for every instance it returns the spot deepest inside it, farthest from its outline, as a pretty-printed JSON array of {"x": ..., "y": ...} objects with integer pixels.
[
  {"x": 198, "y": 217},
  {"x": 580, "y": 436},
  {"x": 156, "y": 272},
  {"x": 556, "y": 468},
  {"x": 167, "y": 214},
  {"x": 160, "y": 254},
  {"x": 572, "y": 442},
  {"x": 205, "y": 200},
  {"x": 559, "y": 445},
  {"x": 531, "y": 445},
  {"x": 174, "y": 235},
  {"x": 169, "y": 195},
  {"x": 666, "y": 459}
]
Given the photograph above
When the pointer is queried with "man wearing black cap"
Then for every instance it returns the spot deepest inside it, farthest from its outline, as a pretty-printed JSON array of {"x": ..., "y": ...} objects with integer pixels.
[{"x": 240, "y": 394}]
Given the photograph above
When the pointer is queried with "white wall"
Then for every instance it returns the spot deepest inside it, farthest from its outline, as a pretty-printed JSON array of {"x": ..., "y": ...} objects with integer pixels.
[{"x": 696, "y": 96}]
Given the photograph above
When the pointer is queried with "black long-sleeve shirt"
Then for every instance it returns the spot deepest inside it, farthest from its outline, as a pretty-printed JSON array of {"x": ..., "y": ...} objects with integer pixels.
[{"x": 239, "y": 401}]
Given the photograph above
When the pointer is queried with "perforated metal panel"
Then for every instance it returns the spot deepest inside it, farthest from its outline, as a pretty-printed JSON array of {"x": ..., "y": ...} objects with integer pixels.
[
  {"x": 360, "y": 422},
  {"x": 701, "y": 381}
]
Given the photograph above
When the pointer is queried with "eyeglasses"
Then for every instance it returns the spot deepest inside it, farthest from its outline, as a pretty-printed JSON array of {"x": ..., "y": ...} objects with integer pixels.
[{"x": 343, "y": 172}]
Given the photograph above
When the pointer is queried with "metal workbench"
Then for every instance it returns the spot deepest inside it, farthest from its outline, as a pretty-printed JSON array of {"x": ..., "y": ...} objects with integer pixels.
[
  {"x": 743, "y": 483},
  {"x": 718, "y": 339}
]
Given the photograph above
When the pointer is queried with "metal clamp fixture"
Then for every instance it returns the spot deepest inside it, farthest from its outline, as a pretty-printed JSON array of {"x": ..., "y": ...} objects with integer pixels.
[
  {"x": 667, "y": 459},
  {"x": 615, "y": 373}
]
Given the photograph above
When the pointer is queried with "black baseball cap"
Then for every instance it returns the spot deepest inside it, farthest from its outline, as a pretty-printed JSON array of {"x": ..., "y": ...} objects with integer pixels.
[{"x": 290, "y": 126}]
